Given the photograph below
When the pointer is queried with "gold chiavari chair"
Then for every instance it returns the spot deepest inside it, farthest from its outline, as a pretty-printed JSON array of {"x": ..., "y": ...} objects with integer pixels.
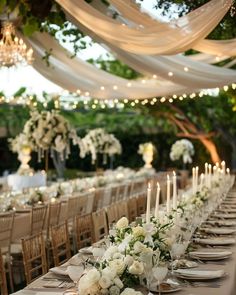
[
  {"x": 60, "y": 244},
  {"x": 38, "y": 218},
  {"x": 85, "y": 203},
  {"x": 72, "y": 208},
  {"x": 99, "y": 224},
  {"x": 34, "y": 257},
  {"x": 122, "y": 209},
  {"x": 53, "y": 214},
  {"x": 6, "y": 228},
  {"x": 114, "y": 192},
  {"x": 122, "y": 192},
  {"x": 112, "y": 215},
  {"x": 141, "y": 203},
  {"x": 63, "y": 212},
  {"x": 84, "y": 231},
  {"x": 3, "y": 280},
  {"x": 132, "y": 209},
  {"x": 98, "y": 199}
]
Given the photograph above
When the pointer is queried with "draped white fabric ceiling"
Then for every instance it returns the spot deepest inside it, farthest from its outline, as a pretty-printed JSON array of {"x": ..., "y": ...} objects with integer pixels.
[{"x": 176, "y": 37}]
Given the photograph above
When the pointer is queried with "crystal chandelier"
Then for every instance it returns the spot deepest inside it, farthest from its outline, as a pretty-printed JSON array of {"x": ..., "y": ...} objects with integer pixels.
[{"x": 13, "y": 51}]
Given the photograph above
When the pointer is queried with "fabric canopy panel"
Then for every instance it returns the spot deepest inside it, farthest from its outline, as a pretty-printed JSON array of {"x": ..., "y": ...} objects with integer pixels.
[
  {"x": 74, "y": 74},
  {"x": 131, "y": 12},
  {"x": 177, "y": 37},
  {"x": 189, "y": 73}
]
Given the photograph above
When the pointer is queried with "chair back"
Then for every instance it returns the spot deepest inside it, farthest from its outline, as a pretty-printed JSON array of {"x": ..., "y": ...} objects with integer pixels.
[
  {"x": 34, "y": 257},
  {"x": 6, "y": 228},
  {"x": 141, "y": 203},
  {"x": 112, "y": 215},
  {"x": 122, "y": 209},
  {"x": 60, "y": 243},
  {"x": 98, "y": 199},
  {"x": 72, "y": 208},
  {"x": 3, "y": 280},
  {"x": 85, "y": 203},
  {"x": 63, "y": 212},
  {"x": 84, "y": 231},
  {"x": 132, "y": 209},
  {"x": 53, "y": 213},
  {"x": 99, "y": 224},
  {"x": 38, "y": 217},
  {"x": 122, "y": 192}
]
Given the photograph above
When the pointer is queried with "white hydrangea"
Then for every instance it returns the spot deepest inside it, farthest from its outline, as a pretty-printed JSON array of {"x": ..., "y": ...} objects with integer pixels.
[{"x": 182, "y": 149}]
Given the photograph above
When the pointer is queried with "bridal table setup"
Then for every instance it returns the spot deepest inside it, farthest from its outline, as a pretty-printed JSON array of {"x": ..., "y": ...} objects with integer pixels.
[{"x": 186, "y": 245}]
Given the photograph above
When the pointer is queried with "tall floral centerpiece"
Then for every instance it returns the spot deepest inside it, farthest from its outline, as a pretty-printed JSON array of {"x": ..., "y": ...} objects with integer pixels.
[
  {"x": 182, "y": 149},
  {"x": 147, "y": 151},
  {"x": 49, "y": 132},
  {"x": 98, "y": 141},
  {"x": 23, "y": 147}
]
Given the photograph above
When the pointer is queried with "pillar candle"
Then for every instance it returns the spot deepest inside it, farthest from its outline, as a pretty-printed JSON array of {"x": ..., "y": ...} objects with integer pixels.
[
  {"x": 157, "y": 200},
  {"x": 168, "y": 195},
  {"x": 214, "y": 171},
  {"x": 149, "y": 193},
  {"x": 209, "y": 175},
  {"x": 174, "y": 191}
]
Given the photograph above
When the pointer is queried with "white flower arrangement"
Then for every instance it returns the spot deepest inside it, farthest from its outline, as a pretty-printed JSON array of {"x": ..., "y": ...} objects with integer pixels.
[
  {"x": 98, "y": 141},
  {"x": 184, "y": 149},
  {"x": 20, "y": 142},
  {"x": 49, "y": 131},
  {"x": 122, "y": 265}
]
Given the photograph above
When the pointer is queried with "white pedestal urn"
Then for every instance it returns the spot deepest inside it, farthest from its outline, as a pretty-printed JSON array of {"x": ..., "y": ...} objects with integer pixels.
[
  {"x": 148, "y": 158},
  {"x": 24, "y": 157}
]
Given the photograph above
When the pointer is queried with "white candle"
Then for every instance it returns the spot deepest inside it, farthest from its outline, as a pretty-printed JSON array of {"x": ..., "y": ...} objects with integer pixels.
[
  {"x": 174, "y": 191},
  {"x": 223, "y": 166},
  {"x": 149, "y": 193},
  {"x": 214, "y": 170},
  {"x": 206, "y": 174},
  {"x": 168, "y": 195},
  {"x": 193, "y": 178},
  {"x": 228, "y": 171},
  {"x": 201, "y": 181},
  {"x": 209, "y": 175},
  {"x": 196, "y": 178},
  {"x": 157, "y": 200}
]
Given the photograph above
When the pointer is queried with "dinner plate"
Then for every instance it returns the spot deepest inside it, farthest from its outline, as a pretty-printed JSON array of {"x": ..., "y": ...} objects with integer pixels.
[
  {"x": 166, "y": 288},
  {"x": 197, "y": 274},
  {"x": 210, "y": 255},
  {"x": 219, "y": 230},
  {"x": 216, "y": 241}
]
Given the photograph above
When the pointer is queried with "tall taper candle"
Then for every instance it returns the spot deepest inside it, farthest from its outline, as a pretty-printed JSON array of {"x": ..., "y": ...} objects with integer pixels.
[
  {"x": 206, "y": 174},
  {"x": 223, "y": 166},
  {"x": 193, "y": 178},
  {"x": 201, "y": 181},
  {"x": 174, "y": 191},
  {"x": 168, "y": 195},
  {"x": 149, "y": 193},
  {"x": 209, "y": 175},
  {"x": 196, "y": 177},
  {"x": 157, "y": 200}
]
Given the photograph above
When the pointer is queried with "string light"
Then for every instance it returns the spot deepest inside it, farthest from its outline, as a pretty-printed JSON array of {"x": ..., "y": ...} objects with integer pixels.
[
  {"x": 102, "y": 88},
  {"x": 170, "y": 74},
  {"x": 186, "y": 69}
]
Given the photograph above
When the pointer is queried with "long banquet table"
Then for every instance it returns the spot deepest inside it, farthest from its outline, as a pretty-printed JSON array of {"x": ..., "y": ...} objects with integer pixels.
[{"x": 223, "y": 286}]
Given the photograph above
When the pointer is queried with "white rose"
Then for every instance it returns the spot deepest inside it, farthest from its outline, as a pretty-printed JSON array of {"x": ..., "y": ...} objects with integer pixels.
[
  {"x": 88, "y": 280},
  {"x": 136, "y": 268},
  {"x": 128, "y": 260},
  {"x": 110, "y": 252},
  {"x": 118, "y": 256},
  {"x": 122, "y": 223},
  {"x": 114, "y": 290},
  {"x": 138, "y": 247},
  {"x": 129, "y": 291},
  {"x": 118, "y": 265},
  {"x": 118, "y": 283},
  {"x": 109, "y": 272},
  {"x": 105, "y": 282},
  {"x": 138, "y": 231},
  {"x": 104, "y": 292}
]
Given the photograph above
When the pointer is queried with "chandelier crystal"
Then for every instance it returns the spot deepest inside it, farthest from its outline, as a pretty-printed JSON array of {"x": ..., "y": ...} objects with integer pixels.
[{"x": 13, "y": 51}]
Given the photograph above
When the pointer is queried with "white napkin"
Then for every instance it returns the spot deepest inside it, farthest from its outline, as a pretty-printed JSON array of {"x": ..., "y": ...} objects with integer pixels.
[
  {"x": 200, "y": 273},
  {"x": 59, "y": 270},
  {"x": 75, "y": 272}
]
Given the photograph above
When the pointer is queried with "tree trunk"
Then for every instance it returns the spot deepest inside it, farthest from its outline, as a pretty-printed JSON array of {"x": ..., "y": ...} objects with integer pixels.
[
  {"x": 211, "y": 147},
  {"x": 59, "y": 164}
]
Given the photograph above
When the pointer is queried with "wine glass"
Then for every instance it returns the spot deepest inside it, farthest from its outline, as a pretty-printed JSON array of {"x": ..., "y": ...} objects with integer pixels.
[
  {"x": 159, "y": 273},
  {"x": 177, "y": 250}
]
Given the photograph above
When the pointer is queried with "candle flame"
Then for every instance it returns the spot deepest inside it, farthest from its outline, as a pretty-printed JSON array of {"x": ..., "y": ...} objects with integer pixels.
[
  {"x": 158, "y": 185},
  {"x": 202, "y": 175},
  {"x": 168, "y": 177},
  {"x": 149, "y": 185},
  {"x": 174, "y": 174}
]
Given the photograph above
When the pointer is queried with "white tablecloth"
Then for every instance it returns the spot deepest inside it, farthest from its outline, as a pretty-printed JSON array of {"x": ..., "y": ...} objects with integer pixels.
[{"x": 19, "y": 182}]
